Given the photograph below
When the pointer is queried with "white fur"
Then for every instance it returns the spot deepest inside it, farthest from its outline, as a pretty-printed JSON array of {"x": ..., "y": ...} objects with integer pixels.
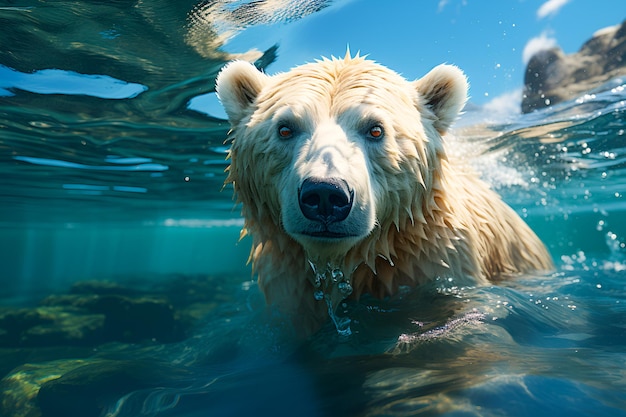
[{"x": 417, "y": 213}]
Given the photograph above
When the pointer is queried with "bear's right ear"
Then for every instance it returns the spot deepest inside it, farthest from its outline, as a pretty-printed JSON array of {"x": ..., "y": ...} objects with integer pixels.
[{"x": 237, "y": 86}]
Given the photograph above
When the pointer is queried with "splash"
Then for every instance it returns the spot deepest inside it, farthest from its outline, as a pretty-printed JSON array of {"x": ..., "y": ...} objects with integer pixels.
[
  {"x": 615, "y": 262},
  {"x": 332, "y": 286}
]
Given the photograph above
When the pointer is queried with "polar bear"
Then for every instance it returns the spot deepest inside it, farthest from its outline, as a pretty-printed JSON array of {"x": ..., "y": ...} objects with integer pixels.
[{"x": 346, "y": 186}]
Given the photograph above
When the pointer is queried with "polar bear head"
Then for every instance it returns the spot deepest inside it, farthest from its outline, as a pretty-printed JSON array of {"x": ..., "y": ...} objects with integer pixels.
[{"x": 332, "y": 151}]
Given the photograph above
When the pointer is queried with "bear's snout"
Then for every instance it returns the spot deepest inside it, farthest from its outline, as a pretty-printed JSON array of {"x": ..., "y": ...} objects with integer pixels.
[{"x": 325, "y": 200}]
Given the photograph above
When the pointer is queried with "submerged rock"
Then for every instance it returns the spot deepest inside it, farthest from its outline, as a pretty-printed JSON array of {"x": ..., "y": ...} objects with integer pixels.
[
  {"x": 96, "y": 312},
  {"x": 552, "y": 76},
  {"x": 80, "y": 320},
  {"x": 49, "y": 326},
  {"x": 90, "y": 389},
  {"x": 78, "y": 387},
  {"x": 60, "y": 358},
  {"x": 19, "y": 390},
  {"x": 126, "y": 318}
]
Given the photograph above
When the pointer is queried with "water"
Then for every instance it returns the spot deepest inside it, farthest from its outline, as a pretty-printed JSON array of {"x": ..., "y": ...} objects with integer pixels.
[{"x": 110, "y": 178}]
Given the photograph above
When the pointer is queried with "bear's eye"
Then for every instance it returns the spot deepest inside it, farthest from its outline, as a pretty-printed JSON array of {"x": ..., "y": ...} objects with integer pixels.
[
  {"x": 285, "y": 132},
  {"x": 376, "y": 132}
]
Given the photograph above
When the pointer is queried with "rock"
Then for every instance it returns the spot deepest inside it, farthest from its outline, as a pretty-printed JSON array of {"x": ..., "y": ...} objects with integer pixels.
[
  {"x": 56, "y": 357},
  {"x": 14, "y": 321},
  {"x": 91, "y": 389},
  {"x": 552, "y": 76},
  {"x": 19, "y": 390},
  {"x": 49, "y": 326},
  {"x": 97, "y": 312},
  {"x": 66, "y": 327},
  {"x": 79, "y": 387},
  {"x": 90, "y": 320},
  {"x": 127, "y": 318},
  {"x": 10, "y": 358}
]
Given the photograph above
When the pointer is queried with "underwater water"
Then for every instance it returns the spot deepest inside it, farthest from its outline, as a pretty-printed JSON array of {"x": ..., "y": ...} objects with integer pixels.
[{"x": 124, "y": 289}]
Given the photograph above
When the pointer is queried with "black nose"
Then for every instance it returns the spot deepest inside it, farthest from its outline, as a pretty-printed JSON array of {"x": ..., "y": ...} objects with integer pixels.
[{"x": 326, "y": 200}]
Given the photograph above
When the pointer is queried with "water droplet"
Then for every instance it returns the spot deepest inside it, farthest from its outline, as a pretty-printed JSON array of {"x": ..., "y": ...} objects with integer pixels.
[
  {"x": 318, "y": 282},
  {"x": 342, "y": 324},
  {"x": 337, "y": 275},
  {"x": 319, "y": 295},
  {"x": 345, "y": 288}
]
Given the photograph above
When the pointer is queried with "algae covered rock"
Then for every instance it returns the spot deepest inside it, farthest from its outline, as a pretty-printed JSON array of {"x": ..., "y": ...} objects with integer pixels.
[
  {"x": 19, "y": 389},
  {"x": 79, "y": 352},
  {"x": 49, "y": 326},
  {"x": 126, "y": 318},
  {"x": 89, "y": 389},
  {"x": 83, "y": 318},
  {"x": 78, "y": 387}
]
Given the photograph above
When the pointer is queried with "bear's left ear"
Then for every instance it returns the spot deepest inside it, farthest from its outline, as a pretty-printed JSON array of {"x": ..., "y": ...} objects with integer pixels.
[
  {"x": 444, "y": 90},
  {"x": 237, "y": 85}
]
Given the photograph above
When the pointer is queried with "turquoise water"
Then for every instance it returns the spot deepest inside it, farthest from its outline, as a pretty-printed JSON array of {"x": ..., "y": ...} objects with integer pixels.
[{"x": 111, "y": 176}]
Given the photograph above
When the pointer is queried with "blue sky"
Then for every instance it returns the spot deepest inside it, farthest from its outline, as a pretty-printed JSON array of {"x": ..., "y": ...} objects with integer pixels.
[{"x": 489, "y": 40}]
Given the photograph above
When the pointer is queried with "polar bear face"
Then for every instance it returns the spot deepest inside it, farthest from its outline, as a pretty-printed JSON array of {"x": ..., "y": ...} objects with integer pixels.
[{"x": 332, "y": 150}]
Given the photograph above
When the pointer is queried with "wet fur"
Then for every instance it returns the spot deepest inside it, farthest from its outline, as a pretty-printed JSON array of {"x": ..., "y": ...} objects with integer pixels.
[{"x": 434, "y": 217}]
